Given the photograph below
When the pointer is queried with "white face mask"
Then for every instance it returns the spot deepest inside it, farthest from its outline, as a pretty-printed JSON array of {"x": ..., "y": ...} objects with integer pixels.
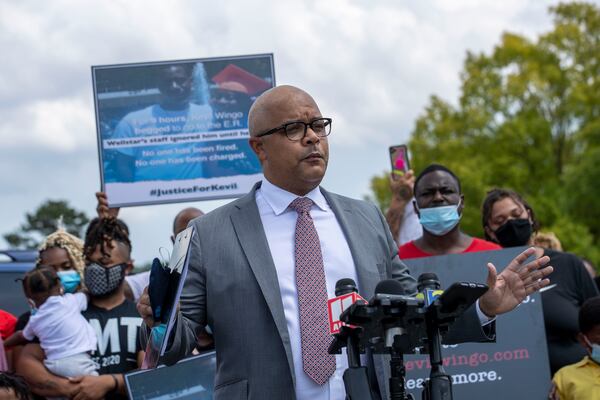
[{"x": 595, "y": 354}]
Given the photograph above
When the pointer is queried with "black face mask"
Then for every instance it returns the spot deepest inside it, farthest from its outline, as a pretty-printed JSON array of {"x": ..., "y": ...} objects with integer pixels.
[
  {"x": 514, "y": 232},
  {"x": 101, "y": 281}
]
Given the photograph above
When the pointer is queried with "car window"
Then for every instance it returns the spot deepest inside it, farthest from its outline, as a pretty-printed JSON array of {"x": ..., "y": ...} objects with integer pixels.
[{"x": 12, "y": 299}]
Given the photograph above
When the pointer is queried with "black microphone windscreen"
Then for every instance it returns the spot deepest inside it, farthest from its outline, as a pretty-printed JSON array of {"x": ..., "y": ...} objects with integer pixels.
[
  {"x": 389, "y": 286},
  {"x": 428, "y": 280},
  {"x": 345, "y": 286}
]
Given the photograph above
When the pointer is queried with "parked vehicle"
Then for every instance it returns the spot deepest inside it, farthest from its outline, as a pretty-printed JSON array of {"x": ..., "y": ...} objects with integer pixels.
[{"x": 13, "y": 265}]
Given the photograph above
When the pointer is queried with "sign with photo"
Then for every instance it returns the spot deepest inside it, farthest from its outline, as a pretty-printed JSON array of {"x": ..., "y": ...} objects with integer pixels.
[{"x": 177, "y": 131}]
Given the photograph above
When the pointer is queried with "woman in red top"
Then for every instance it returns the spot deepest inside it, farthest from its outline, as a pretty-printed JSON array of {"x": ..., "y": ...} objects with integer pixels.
[{"x": 439, "y": 204}]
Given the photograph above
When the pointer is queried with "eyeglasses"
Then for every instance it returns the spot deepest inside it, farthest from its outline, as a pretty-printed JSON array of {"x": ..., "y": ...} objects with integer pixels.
[{"x": 296, "y": 130}]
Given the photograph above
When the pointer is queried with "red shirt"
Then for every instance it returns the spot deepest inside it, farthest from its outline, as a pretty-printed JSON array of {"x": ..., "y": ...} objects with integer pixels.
[
  {"x": 7, "y": 324},
  {"x": 409, "y": 250}
]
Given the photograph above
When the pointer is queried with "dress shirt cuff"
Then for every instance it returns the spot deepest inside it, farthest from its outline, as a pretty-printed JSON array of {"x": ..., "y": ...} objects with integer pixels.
[{"x": 483, "y": 319}]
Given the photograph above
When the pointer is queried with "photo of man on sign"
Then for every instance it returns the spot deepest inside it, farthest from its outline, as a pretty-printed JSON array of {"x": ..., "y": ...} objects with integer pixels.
[{"x": 177, "y": 131}]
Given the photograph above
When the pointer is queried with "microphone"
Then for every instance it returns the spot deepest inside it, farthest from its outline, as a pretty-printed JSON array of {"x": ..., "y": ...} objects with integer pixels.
[
  {"x": 356, "y": 381},
  {"x": 439, "y": 384},
  {"x": 388, "y": 289},
  {"x": 346, "y": 294},
  {"x": 345, "y": 286},
  {"x": 389, "y": 286},
  {"x": 428, "y": 286}
]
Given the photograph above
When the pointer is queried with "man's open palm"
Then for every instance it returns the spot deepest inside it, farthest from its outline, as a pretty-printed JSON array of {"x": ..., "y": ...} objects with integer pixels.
[{"x": 514, "y": 284}]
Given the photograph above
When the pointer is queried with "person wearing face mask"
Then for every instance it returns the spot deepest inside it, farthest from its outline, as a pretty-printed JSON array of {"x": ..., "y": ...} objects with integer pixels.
[
  {"x": 63, "y": 252},
  {"x": 439, "y": 203},
  {"x": 510, "y": 221},
  {"x": 64, "y": 334},
  {"x": 113, "y": 318},
  {"x": 135, "y": 283},
  {"x": 581, "y": 381}
]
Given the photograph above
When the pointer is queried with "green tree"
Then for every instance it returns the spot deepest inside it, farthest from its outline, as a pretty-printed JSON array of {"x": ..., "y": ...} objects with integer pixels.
[
  {"x": 44, "y": 220},
  {"x": 528, "y": 118}
]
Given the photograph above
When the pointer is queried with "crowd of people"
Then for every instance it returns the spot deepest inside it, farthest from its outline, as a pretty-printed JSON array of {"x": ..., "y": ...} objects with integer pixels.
[
  {"x": 507, "y": 221},
  {"x": 83, "y": 331}
]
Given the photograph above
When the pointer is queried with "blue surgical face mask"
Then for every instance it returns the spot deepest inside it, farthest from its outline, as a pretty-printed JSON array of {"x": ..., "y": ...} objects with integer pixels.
[
  {"x": 595, "y": 354},
  {"x": 439, "y": 220},
  {"x": 32, "y": 308},
  {"x": 69, "y": 279}
]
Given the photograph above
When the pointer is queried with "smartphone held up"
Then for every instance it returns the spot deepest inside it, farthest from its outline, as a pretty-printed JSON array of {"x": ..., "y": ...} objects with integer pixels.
[{"x": 399, "y": 159}]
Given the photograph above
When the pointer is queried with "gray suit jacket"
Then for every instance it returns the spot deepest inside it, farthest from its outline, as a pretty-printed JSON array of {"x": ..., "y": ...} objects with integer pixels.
[{"x": 232, "y": 286}]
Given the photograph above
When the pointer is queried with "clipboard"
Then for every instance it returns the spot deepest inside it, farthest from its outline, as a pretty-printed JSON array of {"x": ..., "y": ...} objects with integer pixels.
[{"x": 166, "y": 285}]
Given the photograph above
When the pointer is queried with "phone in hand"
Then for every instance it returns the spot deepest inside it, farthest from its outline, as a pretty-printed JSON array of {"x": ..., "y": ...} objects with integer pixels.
[{"x": 399, "y": 159}]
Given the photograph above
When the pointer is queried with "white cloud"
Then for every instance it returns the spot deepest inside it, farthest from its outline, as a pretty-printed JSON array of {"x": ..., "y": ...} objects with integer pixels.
[
  {"x": 62, "y": 124},
  {"x": 370, "y": 65}
]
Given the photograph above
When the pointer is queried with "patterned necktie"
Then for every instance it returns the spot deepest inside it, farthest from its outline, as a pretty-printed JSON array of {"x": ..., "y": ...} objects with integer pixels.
[{"x": 312, "y": 296}]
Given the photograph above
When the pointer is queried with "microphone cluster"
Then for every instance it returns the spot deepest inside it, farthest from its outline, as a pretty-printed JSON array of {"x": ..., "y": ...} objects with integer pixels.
[{"x": 395, "y": 323}]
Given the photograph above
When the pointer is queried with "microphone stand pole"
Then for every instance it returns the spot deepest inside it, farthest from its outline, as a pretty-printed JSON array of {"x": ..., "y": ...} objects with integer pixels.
[
  {"x": 356, "y": 379},
  {"x": 398, "y": 373},
  {"x": 439, "y": 384}
]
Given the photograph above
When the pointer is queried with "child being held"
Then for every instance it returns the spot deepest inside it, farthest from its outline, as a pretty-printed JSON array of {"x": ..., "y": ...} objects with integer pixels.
[
  {"x": 56, "y": 320},
  {"x": 581, "y": 381}
]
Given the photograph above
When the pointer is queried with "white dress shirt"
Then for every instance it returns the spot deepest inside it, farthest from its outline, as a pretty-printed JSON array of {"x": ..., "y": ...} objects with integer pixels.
[{"x": 279, "y": 223}]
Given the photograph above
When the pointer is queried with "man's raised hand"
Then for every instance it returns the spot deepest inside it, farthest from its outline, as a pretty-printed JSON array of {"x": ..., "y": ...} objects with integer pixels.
[{"x": 517, "y": 281}]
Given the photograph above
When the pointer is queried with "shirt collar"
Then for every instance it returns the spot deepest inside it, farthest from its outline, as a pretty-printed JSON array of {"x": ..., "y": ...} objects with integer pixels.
[
  {"x": 279, "y": 199},
  {"x": 587, "y": 361}
]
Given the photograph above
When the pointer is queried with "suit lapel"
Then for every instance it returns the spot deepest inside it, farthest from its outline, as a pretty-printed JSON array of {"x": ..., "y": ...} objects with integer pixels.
[
  {"x": 251, "y": 235},
  {"x": 352, "y": 224}
]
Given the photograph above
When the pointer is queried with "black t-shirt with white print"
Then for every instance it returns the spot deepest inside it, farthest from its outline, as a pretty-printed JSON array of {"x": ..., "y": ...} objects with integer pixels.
[{"x": 118, "y": 334}]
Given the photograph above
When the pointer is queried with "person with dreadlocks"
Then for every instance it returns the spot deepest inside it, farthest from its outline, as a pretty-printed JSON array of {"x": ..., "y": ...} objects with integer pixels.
[
  {"x": 56, "y": 320},
  {"x": 107, "y": 254}
]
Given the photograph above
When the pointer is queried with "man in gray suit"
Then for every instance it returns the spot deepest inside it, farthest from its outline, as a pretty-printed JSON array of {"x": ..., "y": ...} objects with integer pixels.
[{"x": 244, "y": 280}]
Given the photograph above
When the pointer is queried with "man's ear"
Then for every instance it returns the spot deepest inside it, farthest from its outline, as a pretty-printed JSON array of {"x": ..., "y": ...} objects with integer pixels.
[
  {"x": 129, "y": 267},
  {"x": 462, "y": 204},
  {"x": 257, "y": 147},
  {"x": 414, "y": 203}
]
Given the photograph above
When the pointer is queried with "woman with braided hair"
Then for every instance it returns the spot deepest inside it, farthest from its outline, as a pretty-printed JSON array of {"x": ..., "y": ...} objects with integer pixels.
[{"x": 64, "y": 253}]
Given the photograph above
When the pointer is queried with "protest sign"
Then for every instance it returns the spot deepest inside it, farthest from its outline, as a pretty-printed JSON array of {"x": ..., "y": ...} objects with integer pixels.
[
  {"x": 178, "y": 130},
  {"x": 515, "y": 367},
  {"x": 191, "y": 378}
]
